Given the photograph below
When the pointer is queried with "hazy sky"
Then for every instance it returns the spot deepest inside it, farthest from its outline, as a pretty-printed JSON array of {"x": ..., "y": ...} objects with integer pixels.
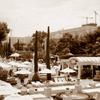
[{"x": 24, "y": 17}]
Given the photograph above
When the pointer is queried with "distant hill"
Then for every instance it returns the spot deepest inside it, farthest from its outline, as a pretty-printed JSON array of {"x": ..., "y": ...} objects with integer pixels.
[
  {"x": 25, "y": 40},
  {"x": 81, "y": 31}
]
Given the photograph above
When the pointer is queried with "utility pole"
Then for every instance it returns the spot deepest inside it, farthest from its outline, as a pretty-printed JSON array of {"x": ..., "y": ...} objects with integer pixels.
[
  {"x": 87, "y": 19},
  {"x": 95, "y": 16},
  {"x": 48, "y": 53}
]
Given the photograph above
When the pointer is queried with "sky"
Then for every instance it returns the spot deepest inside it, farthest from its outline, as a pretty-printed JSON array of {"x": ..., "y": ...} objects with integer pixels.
[{"x": 24, "y": 17}]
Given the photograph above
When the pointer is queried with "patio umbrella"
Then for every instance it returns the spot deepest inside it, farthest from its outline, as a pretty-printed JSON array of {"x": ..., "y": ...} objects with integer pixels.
[
  {"x": 23, "y": 72},
  {"x": 5, "y": 66},
  {"x": 67, "y": 70},
  {"x": 27, "y": 63},
  {"x": 18, "y": 97},
  {"x": 15, "y": 55},
  {"x": 14, "y": 63},
  {"x": 46, "y": 71}
]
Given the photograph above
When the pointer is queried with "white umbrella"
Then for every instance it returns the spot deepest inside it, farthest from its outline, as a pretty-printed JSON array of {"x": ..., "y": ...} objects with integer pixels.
[
  {"x": 15, "y": 55},
  {"x": 23, "y": 72},
  {"x": 27, "y": 63},
  {"x": 67, "y": 70},
  {"x": 18, "y": 97},
  {"x": 8, "y": 90},
  {"x": 14, "y": 63},
  {"x": 46, "y": 71},
  {"x": 5, "y": 65},
  {"x": 24, "y": 66}
]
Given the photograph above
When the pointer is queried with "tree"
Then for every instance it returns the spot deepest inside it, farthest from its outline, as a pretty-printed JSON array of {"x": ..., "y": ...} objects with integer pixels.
[
  {"x": 36, "y": 76},
  {"x": 4, "y": 30},
  {"x": 53, "y": 45},
  {"x": 41, "y": 43},
  {"x": 64, "y": 44},
  {"x": 19, "y": 45}
]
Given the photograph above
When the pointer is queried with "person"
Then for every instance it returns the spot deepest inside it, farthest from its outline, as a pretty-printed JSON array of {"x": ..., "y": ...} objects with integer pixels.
[{"x": 69, "y": 79}]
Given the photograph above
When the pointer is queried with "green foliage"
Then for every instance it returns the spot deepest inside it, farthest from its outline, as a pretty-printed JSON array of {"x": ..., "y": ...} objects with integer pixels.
[
  {"x": 3, "y": 31},
  {"x": 64, "y": 44},
  {"x": 6, "y": 50},
  {"x": 41, "y": 37},
  {"x": 52, "y": 45},
  {"x": 88, "y": 44},
  {"x": 3, "y": 74},
  {"x": 19, "y": 45},
  {"x": 3, "y": 34}
]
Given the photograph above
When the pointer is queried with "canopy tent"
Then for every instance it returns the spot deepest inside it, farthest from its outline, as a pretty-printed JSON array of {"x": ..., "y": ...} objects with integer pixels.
[{"x": 85, "y": 60}]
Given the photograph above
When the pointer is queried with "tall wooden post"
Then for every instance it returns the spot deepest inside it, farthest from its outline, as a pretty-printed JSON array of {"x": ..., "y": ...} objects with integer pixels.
[
  {"x": 36, "y": 76},
  {"x": 48, "y": 53}
]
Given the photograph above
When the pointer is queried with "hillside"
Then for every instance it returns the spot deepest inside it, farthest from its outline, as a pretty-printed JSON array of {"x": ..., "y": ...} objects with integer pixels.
[
  {"x": 81, "y": 31},
  {"x": 25, "y": 40}
]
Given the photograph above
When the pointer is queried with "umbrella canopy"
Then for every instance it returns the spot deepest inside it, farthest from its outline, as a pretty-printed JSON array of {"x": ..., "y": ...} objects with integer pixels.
[
  {"x": 67, "y": 70},
  {"x": 27, "y": 63},
  {"x": 5, "y": 66},
  {"x": 18, "y": 97},
  {"x": 23, "y": 72},
  {"x": 46, "y": 71},
  {"x": 14, "y": 63},
  {"x": 24, "y": 66},
  {"x": 15, "y": 55}
]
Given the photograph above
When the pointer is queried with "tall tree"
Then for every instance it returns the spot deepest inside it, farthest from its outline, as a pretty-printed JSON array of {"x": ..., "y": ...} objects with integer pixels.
[
  {"x": 4, "y": 30},
  {"x": 48, "y": 54},
  {"x": 64, "y": 44},
  {"x": 36, "y": 76},
  {"x": 41, "y": 43}
]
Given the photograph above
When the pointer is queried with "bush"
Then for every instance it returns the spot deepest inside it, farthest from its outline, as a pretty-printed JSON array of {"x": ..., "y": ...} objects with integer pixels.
[{"x": 3, "y": 74}]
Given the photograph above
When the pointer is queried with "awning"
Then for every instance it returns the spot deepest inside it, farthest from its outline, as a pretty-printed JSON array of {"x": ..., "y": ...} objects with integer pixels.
[{"x": 85, "y": 60}]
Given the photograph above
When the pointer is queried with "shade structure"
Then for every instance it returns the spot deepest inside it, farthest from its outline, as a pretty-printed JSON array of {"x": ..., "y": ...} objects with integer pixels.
[
  {"x": 23, "y": 72},
  {"x": 67, "y": 70},
  {"x": 46, "y": 71},
  {"x": 85, "y": 60},
  {"x": 15, "y": 55}
]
